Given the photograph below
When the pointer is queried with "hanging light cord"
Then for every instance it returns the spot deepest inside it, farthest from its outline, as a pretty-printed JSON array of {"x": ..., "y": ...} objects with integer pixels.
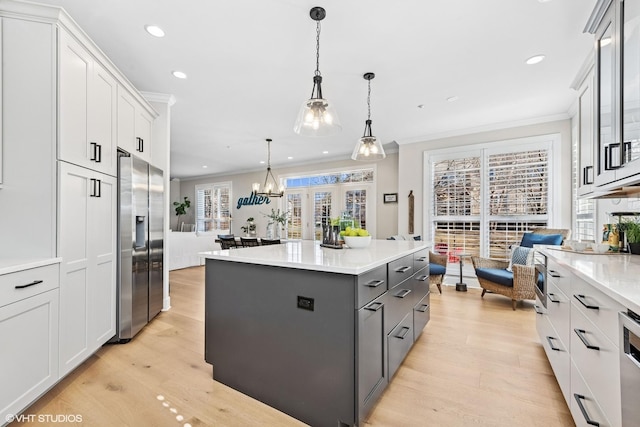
[
  {"x": 317, "y": 73},
  {"x": 369, "y": 100}
]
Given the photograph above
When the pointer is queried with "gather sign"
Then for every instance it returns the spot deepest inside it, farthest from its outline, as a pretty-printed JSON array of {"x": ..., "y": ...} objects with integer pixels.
[{"x": 253, "y": 199}]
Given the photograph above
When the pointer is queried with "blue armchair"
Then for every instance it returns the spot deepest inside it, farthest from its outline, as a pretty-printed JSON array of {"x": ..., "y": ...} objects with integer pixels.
[{"x": 517, "y": 283}]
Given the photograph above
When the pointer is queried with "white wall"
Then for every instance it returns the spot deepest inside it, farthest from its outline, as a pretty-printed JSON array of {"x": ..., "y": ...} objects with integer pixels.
[
  {"x": 386, "y": 180},
  {"x": 410, "y": 169}
]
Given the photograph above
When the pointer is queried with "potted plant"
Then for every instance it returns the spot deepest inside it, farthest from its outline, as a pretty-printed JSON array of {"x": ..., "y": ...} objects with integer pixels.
[
  {"x": 277, "y": 221},
  {"x": 632, "y": 231},
  {"x": 181, "y": 209},
  {"x": 250, "y": 228}
]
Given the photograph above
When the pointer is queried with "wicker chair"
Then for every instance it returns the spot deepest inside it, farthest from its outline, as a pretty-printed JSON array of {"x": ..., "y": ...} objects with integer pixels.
[
  {"x": 437, "y": 269},
  {"x": 524, "y": 277}
]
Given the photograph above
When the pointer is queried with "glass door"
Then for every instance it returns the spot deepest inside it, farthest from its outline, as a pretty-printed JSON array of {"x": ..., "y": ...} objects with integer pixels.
[{"x": 631, "y": 87}]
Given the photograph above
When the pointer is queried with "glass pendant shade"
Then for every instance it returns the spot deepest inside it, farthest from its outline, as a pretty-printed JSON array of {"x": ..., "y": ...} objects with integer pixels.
[
  {"x": 368, "y": 147},
  {"x": 317, "y": 117}
]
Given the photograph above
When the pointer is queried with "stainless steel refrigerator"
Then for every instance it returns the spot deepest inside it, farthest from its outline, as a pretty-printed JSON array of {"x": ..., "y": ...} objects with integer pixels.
[{"x": 140, "y": 244}]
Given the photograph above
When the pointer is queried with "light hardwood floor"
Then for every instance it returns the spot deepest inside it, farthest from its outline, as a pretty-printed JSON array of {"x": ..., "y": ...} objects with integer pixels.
[{"x": 477, "y": 363}]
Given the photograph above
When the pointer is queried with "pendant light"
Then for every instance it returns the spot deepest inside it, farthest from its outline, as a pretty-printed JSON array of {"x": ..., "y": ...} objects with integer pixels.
[
  {"x": 317, "y": 116},
  {"x": 368, "y": 147},
  {"x": 270, "y": 183}
]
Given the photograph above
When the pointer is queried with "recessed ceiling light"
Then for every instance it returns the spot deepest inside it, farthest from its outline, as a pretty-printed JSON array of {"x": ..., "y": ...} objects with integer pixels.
[
  {"x": 154, "y": 30},
  {"x": 325, "y": 152},
  {"x": 543, "y": 1},
  {"x": 179, "y": 74},
  {"x": 290, "y": 158},
  {"x": 262, "y": 162},
  {"x": 453, "y": 98},
  {"x": 534, "y": 59},
  {"x": 204, "y": 166},
  {"x": 421, "y": 106}
]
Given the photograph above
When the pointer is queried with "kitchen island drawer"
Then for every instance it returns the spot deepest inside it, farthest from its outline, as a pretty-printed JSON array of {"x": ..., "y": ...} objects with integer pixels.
[
  {"x": 599, "y": 308},
  {"x": 420, "y": 260},
  {"x": 584, "y": 407},
  {"x": 598, "y": 360},
  {"x": 398, "y": 302},
  {"x": 421, "y": 316},
  {"x": 371, "y": 285},
  {"x": 420, "y": 285},
  {"x": 399, "y": 342},
  {"x": 27, "y": 283},
  {"x": 557, "y": 353},
  {"x": 559, "y": 311},
  {"x": 400, "y": 270}
]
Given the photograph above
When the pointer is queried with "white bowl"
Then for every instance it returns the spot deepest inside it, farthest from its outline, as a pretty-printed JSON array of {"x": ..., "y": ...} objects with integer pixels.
[
  {"x": 600, "y": 247},
  {"x": 579, "y": 246},
  {"x": 356, "y": 242}
]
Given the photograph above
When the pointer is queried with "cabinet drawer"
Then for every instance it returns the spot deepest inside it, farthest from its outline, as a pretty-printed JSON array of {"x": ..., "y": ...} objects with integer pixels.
[
  {"x": 26, "y": 283},
  {"x": 421, "y": 316},
  {"x": 558, "y": 354},
  {"x": 400, "y": 270},
  {"x": 583, "y": 405},
  {"x": 559, "y": 311},
  {"x": 398, "y": 302},
  {"x": 420, "y": 260},
  {"x": 400, "y": 341},
  {"x": 598, "y": 365},
  {"x": 597, "y": 307},
  {"x": 371, "y": 285},
  {"x": 559, "y": 276},
  {"x": 420, "y": 285}
]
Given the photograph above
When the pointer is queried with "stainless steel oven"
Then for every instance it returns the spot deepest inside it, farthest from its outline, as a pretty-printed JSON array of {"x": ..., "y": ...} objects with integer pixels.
[{"x": 630, "y": 367}]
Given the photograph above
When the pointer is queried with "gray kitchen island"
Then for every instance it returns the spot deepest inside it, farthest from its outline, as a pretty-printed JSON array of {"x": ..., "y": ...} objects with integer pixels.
[{"x": 315, "y": 332}]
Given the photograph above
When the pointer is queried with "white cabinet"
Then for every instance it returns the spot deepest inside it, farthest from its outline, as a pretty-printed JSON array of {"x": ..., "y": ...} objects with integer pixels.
[
  {"x": 87, "y": 203},
  {"x": 134, "y": 126},
  {"x": 29, "y": 331},
  {"x": 28, "y": 90},
  {"x": 585, "y": 128},
  {"x": 86, "y": 108}
]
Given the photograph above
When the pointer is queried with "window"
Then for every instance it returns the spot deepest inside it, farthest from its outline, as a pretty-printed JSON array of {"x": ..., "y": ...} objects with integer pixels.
[
  {"x": 213, "y": 207},
  {"x": 484, "y": 199},
  {"x": 584, "y": 219}
]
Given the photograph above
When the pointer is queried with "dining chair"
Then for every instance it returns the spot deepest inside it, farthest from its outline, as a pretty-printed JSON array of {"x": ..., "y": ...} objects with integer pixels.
[
  {"x": 269, "y": 242},
  {"x": 227, "y": 241},
  {"x": 248, "y": 241}
]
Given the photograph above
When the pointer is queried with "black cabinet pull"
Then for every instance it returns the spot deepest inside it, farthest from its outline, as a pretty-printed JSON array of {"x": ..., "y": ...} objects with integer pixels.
[
  {"x": 403, "y": 293},
  {"x": 374, "y": 306},
  {"x": 579, "y": 333},
  {"x": 587, "y": 175},
  {"x": 422, "y": 278},
  {"x": 99, "y": 186},
  {"x": 537, "y": 309},
  {"x": 140, "y": 144},
  {"x": 35, "y": 282},
  {"x": 404, "y": 329},
  {"x": 374, "y": 283},
  {"x": 579, "y": 398},
  {"x": 554, "y": 273},
  {"x": 612, "y": 157},
  {"x": 583, "y": 302},
  {"x": 98, "y": 156},
  {"x": 423, "y": 308},
  {"x": 93, "y": 187},
  {"x": 96, "y": 188},
  {"x": 402, "y": 269},
  {"x": 422, "y": 259},
  {"x": 551, "y": 344},
  {"x": 94, "y": 151},
  {"x": 549, "y": 295}
]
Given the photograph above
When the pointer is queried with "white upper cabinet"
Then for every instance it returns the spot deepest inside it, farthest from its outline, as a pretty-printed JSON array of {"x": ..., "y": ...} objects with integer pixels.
[
  {"x": 87, "y": 108},
  {"x": 617, "y": 95},
  {"x": 585, "y": 129},
  {"x": 134, "y": 126}
]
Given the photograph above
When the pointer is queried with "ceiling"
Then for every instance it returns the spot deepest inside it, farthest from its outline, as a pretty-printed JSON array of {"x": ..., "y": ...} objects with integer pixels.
[{"x": 250, "y": 65}]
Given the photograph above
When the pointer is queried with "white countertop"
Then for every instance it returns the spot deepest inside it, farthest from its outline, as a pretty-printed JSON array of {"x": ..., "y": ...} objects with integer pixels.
[
  {"x": 616, "y": 275},
  {"x": 12, "y": 265},
  {"x": 309, "y": 255}
]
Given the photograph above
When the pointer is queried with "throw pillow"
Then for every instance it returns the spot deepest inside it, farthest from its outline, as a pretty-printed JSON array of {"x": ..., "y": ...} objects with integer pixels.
[{"x": 521, "y": 256}]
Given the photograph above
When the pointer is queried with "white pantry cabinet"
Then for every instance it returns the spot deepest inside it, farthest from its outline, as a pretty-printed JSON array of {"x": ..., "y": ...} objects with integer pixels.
[
  {"x": 86, "y": 108},
  {"x": 134, "y": 126},
  {"x": 87, "y": 203}
]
